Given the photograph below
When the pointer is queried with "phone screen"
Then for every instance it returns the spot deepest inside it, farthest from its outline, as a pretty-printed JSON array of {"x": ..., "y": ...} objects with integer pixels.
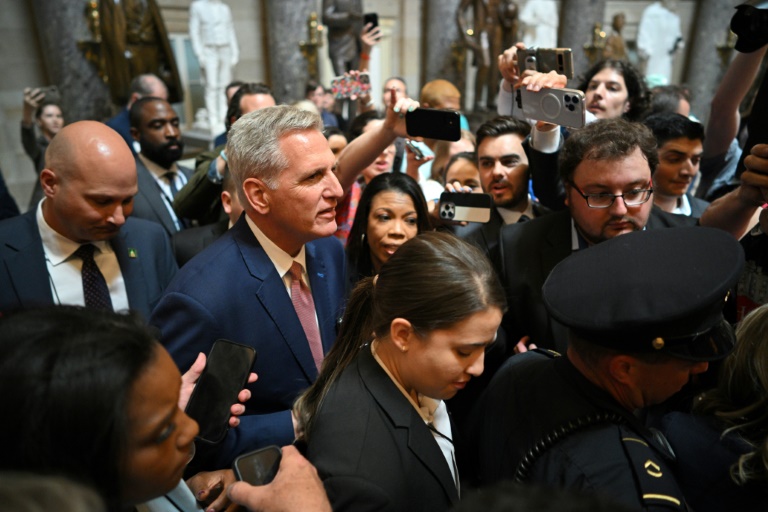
[
  {"x": 433, "y": 124},
  {"x": 372, "y": 18},
  {"x": 347, "y": 86},
  {"x": 259, "y": 467},
  {"x": 226, "y": 373}
]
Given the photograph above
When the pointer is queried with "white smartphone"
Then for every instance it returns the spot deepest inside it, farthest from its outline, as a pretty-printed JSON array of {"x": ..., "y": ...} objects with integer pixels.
[
  {"x": 459, "y": 206},
  {"x": 566, "y": 107}
]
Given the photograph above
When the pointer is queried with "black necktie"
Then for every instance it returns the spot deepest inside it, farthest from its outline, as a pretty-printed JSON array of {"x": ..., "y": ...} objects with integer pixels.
[
  {"x": 523, "y": 218},
  {"x": 171, "y": 177},
  {"x": 94, "y": 285}
]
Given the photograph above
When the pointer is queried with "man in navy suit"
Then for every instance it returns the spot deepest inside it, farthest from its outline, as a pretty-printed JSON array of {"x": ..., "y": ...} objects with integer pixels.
[
  {"x": 89, "y": 182},
  {"x": 242, "y": 286},
  {"x": 155, "y": 126}
]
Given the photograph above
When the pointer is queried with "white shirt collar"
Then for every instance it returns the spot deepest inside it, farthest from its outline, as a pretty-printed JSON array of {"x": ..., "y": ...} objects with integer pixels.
[
  {"x": 281, "y": 259},
  {"x": 683, "y": 206}
]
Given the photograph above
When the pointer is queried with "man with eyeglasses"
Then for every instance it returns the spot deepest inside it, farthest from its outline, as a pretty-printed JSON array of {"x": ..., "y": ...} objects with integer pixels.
[{"x": 606, "y": 169}]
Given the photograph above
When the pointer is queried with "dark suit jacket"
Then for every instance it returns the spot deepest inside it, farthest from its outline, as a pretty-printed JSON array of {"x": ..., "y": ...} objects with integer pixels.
[
  {"x": 200, "y": 199},
  {"x": 485, "y": 236},
  {"x": 529, "y": 251},
  {"x": 232, "y": 290},
  {"x": 373, "y": 450},
  {"x": 149, "y": 203},
  {"x": 189, "y": 242},
  {"x": 24, "y": 278},
  {"x": 697, "y": 205},
  {"x": 121, "y": 123}
]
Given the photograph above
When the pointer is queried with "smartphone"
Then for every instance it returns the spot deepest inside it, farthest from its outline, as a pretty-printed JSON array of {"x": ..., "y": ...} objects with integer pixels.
[
  {"x": 459, "y": 206},
  {"x": 372, "y": 18},
  {"x": 347, "y": 86},
  {"x": 545, "y": 60},
  {"x": 225, "y": 374},
  {"x": 50, "y": 93},
  {"x": 566, "y": 107},
  {"x": 431, "y": 123},
  {"x": 416, "y": 150},
  {"x": 258, "y": 467}
]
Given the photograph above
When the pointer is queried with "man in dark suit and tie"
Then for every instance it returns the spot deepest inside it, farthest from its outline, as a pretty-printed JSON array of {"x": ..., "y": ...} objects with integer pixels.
[
  {"x": 79, "y": 246},
  {"x": 155, "y": 126},
  {"x": 275, "y": 280},
  {"x": 503, "y": 165}
]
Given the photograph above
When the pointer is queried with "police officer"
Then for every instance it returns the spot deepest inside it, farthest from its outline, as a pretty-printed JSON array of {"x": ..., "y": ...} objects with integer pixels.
[{"x": 644, "y": 313}]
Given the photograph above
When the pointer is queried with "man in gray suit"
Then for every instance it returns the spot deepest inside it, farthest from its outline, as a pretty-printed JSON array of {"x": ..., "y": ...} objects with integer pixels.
[
  {"x": 89, "y": 182},
  {"x": 155, "y": 126}
]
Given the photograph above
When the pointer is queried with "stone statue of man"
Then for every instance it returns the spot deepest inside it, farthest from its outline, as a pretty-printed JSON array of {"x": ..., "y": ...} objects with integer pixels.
[
  {"x": 215, "y": 45},
  {"x": 344, "y": 21}
]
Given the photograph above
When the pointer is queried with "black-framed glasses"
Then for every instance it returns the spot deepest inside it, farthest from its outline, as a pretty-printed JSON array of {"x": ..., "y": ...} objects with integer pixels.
[{"x": 634, "y": 197}]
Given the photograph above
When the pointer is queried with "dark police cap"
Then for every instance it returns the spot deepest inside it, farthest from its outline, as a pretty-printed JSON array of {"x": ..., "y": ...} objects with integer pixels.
[{"x": 650, "y": 291}]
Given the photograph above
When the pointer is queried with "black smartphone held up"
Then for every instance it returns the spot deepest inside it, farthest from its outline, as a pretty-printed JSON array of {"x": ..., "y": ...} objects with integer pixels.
[
  {"x": 372, "y": 18},
  {"x": 461, "y": 206},
  {"x": 431, "y": 123},
  {"x": 226, "y": 373},
  {"x": 545, "y": 60},
  {"x": 258, "y": 467},
  {"x": 566, "y": 107}
]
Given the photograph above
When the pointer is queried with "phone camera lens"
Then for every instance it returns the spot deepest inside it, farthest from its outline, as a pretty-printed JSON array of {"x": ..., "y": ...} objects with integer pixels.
[
  {"x": 567, "y": 98},
  {"x": 570, "y": 107},
  {"x": 575, "y": 99}
]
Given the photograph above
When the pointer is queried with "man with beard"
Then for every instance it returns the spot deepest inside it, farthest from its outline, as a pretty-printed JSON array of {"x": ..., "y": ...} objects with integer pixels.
[
  {"x": 155, "y": 126},
  {"x": 78, "y": 246},
  {"x": 606, "y": 170},
  {"x": 503, "y": 166}
]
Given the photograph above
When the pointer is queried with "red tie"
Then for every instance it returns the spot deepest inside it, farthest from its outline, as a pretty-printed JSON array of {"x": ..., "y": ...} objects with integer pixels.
[{"x": 305, "y": 309}]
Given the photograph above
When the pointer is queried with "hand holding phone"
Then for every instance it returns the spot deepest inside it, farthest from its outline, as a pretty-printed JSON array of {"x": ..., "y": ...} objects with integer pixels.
[
  {"x": 464, "y": 207},
  {"x": 372, "y": 18},
  {"x": 431, "y": 123},
  {"x": 348, "y": 86},
  {"x": 258, "y": 467},
  {"x": 565, "y": 107},
  {"x": 226, "y": 373},
  {"x": 418, "y": 154},
  {"x": 545, "y": 60}
]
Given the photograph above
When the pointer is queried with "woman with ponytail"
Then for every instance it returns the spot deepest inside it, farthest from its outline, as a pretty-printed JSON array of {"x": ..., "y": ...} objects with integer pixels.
[{"x": 375, "y": 423}]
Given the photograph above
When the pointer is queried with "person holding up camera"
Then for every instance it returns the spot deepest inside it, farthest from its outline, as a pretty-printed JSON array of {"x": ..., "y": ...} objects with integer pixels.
[{"x": 49, "y": 119}]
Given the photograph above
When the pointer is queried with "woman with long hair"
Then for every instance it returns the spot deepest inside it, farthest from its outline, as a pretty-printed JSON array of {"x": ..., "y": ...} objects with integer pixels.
[{"x": 391, "y": 211}]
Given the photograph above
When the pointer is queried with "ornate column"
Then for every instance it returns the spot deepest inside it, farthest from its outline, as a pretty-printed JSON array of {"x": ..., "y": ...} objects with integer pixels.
[
  {"x": 577, "y": 23},
  {"x": 704, "y": 68},
  {"x": 286, "y": 23},
  {"x": 439, "y": 33},
  {"x": 60, "y": 25}
]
